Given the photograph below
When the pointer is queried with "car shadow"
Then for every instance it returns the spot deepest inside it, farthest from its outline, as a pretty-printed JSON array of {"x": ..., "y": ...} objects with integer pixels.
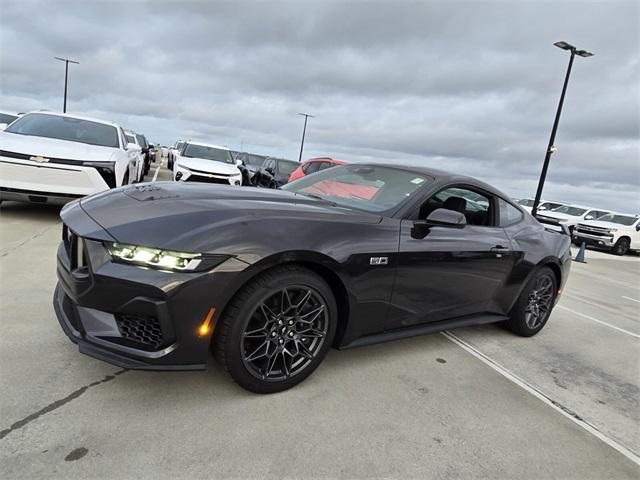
[{"x": 32, "y": 211}]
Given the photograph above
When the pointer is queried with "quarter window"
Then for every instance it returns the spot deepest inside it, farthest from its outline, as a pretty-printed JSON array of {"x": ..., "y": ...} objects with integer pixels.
[{"x": 508, "y": 213}]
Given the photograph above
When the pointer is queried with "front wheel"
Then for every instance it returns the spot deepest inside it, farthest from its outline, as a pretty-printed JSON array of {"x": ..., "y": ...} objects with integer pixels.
[
  {"x": 533, "y": 308},
  {"x": 277, "y": 330},
  {"x": 621, "y": 247}
]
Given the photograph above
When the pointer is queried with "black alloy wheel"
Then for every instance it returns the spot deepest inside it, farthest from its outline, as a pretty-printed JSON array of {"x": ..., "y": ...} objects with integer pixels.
[
  {"x": 285, "y": 333},
  {"x": 277, "y": 329},
  {"x": 539, "y": 302},
  {"x": 533, "y": 308},
  {"x": 621, "y": 247}
]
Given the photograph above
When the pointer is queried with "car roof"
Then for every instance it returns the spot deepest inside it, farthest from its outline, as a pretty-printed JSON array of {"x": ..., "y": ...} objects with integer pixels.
[
  {"x": 212, "y": 145},
  {"x": 79, "y": 117}
]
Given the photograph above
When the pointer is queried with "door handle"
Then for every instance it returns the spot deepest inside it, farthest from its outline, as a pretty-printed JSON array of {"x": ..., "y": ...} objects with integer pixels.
[{"x": 498, "y": 250}]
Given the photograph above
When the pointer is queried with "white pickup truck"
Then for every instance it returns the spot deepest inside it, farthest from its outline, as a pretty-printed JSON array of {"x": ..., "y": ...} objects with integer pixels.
[{"x": 616, "y": 232}]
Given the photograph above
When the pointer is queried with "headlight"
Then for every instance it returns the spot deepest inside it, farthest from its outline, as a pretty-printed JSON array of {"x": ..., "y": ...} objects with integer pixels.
[
  {"x": 107, "y": 171},
  {"x": 611, "y": 230},
  {"x": 163, "y": 259}
]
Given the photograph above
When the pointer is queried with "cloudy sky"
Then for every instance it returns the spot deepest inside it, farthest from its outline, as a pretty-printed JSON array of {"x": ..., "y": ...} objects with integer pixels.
[{"x": 469, "y": 87}]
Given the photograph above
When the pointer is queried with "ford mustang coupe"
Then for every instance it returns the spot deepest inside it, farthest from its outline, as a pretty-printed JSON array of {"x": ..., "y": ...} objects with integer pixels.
[{"x": 154, "y": 276}]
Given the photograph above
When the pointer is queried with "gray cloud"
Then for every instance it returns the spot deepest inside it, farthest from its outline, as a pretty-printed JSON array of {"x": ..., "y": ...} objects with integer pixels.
[{"x": 465, "y": 86}]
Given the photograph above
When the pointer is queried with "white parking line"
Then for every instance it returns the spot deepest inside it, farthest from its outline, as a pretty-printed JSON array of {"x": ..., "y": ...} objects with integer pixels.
[
  {"x": 621, "y": 330},
  {"x": 632, "y": 299},
  {"x": 578, "y": 420},
  {"x": 155, "y": 175}
]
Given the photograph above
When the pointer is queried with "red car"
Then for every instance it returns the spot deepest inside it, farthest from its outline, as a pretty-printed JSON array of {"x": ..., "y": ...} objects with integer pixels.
[{"x": 314, "y": 165}]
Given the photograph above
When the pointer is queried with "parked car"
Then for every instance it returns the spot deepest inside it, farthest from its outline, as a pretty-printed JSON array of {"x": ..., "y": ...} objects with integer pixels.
[
  {"x": 173, "y": 151},
  {"x": 271, "y": 279},
  {"x": 203, "y": 162},
  {"x": 619, "y": 233},
  {"x": 6, "y": 118},
  {"x": 135, "y": 146},
  {"x": 314, "y": 165},
  {"x": 571, "y": 215},
  {"x": 527, "y": 204},
  {"x": 250, "y": 159},
  {"x": 280, "y": 168},
  {"x": 49, "y": 157},
  {"x": 146, "y": 159}
]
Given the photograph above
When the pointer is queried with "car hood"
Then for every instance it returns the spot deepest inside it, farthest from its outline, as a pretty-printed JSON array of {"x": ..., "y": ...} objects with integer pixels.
[
  {"x": 53, "y": 148},
  {"x": 210, "y": 166},
  {"x": 202, "y": 217},
  {"x": 557, "y": 215},
  {"x": 600, "y": 224}
]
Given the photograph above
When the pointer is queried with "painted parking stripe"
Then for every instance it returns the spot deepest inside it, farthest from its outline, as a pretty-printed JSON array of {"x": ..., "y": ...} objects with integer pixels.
[
  {"x": 632, "y": 299},
  {"x": 621, "y": 330},
  {"x": 155, "y": 175},
  {"x": 574, "y": 417}
]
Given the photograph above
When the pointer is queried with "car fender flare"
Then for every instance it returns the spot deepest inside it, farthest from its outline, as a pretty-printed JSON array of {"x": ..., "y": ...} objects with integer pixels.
[{"x": 325, "y": 266}]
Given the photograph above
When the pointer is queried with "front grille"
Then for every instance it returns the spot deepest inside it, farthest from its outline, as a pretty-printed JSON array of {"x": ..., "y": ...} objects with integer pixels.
[
  {"x": 142, "y": 329},
  {"x": 74, "y": 245},
  {"x": 198, "y": 178},
  {"x": 595, "y": 231}
]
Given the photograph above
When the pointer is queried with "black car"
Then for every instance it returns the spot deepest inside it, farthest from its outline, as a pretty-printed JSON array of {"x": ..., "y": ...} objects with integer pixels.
[
  {"x": 280, "y": 169},
  {"x": 154, "y": 276}
]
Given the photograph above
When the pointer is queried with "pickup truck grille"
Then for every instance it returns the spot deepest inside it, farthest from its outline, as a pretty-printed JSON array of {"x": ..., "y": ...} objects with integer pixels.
[{"x": 589, "y": 230}]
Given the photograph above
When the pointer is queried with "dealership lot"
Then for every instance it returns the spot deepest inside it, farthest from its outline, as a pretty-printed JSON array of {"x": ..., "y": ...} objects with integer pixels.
[{"x": 472, "y": 402}]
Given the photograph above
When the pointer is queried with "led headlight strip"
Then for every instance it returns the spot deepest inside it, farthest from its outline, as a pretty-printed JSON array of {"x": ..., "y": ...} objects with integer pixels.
[{"x": 153, "y": 257}]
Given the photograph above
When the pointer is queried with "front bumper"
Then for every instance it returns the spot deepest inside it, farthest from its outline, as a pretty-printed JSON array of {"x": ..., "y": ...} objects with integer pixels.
[
  {"x": 182, "y": 174},
  {"x": 52, "y": 183},
  {"x": 594, "y": 240},
  {"x": 135, "y": 317}
]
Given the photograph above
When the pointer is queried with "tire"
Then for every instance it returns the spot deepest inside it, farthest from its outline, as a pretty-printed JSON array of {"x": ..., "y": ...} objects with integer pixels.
[
  {"x": 255, "y": 339},
  {"x": 533, "y": 307},
  {"x": 621, "y": 247}
]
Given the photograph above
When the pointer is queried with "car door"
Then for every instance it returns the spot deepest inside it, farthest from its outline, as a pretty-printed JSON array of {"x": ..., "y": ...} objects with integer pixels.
[{"x": 451, "y": 272}]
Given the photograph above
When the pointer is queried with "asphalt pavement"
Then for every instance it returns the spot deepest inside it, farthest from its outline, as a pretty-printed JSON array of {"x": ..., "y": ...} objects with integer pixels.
[{"x": 475, "y": 402}]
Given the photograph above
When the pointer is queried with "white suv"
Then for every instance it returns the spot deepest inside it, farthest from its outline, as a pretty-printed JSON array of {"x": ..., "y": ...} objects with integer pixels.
[
  {"x": 613, "y": 231},
  {"x": 133, "y": 144},
  {"x": 49, "y": 157},
  {"x": 571, "y": 215},
  {"x": 203, "y": 162}
]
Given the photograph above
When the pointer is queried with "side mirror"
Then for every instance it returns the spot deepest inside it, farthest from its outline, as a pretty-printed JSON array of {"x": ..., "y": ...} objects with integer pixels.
[
  {"x": 134, "y": 147},
  {"x": 638, "y": 227},
  {"x": 440, "y": 217},
  {"x": 3, "y": 126},
  {"x": 239, "y": 162}
]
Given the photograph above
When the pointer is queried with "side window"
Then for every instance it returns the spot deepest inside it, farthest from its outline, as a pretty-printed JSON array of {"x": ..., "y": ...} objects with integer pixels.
[
  {"x": 312, "y": 167},
  {"x": 325, "y": 165},
  {"x": 477, "y": 207},
  {"x": 271, "y": 163},
  {"x": 508, "y": 213},
  {"x": 123, "y": 139}
]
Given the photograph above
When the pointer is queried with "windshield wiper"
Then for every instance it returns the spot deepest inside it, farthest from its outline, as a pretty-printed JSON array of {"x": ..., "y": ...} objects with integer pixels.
[{"x": 317, "y": 197}]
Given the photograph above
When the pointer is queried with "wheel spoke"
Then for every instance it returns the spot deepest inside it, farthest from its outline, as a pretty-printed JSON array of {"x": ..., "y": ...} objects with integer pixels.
[
  {"x": 255, "y": 356},
  {"x": 257, "y": 333},
  {"x": 314, "y": 314},
  {"x": 311, "y": 333},
  {"x": 301, "y": 304},
  {"x": 303, "y": 351}
]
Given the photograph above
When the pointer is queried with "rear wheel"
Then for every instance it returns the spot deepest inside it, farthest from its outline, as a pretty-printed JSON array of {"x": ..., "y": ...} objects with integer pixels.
[
  {"x": 621, "y": 247},
  {"x": 531, "y": 312},
  {"x": 277, "y": 330}
]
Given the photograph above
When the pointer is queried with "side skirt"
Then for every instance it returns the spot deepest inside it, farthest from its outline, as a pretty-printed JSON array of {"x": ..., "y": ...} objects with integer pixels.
[{"x": 423, "y": 329}]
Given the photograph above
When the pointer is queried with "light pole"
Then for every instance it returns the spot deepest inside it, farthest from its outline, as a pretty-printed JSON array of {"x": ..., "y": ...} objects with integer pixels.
[
  {"x": 551, "y": 147},
  {"x": 66, "y": 77},
  {"x": 304, "y": 130}
]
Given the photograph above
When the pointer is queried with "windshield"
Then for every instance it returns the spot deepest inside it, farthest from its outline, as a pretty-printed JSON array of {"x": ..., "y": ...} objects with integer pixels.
[
  {"x": 253, "y": 160},
  {"x": 525, "y": 202},
  {"x": 208, "y": 153},
  {"x": 6, "y": 118},
  {"x": 573, "y": 211},
  {"x": 621, "y": 219},
  {"x": 549, "y": 205},
  {"x": 131, "y": 139},
  {"x": 366, "y": 187},
  {"x": 179, "y": 146},
  {"x": 65, "y": 128}
]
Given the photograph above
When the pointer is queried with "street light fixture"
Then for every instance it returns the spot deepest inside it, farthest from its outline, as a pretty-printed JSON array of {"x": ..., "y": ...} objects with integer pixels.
[
  {"x": 551, "y": 147},
  {"x": 66, "y": 77},
  {"x": 304, "y": 130}
]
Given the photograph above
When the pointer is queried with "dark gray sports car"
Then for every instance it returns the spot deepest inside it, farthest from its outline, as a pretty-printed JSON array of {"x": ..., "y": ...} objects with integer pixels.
[{"x": 153, "y": 276}]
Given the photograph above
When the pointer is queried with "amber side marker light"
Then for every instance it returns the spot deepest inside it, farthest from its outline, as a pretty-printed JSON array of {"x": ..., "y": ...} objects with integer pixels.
[{"x": 205, "y": 328}]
